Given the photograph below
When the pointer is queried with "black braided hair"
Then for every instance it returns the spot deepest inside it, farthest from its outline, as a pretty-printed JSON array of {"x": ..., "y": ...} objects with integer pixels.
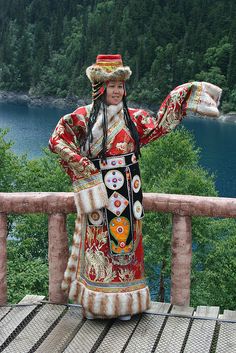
[
  {"x": 92, "y": 119},
  {"x": 102, "y": 154},
  {"x": 97, "y": 104},
  {"x": 132, "y": 128}
]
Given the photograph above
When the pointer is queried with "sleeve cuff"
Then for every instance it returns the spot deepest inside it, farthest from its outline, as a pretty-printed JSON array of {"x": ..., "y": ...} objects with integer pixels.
[
  {"x": 90, "y": 194},
  {"x": 204, "y": 99}
]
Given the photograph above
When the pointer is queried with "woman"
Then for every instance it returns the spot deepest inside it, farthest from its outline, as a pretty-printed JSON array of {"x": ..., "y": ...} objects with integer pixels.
[{"x": 99, "y": 146}]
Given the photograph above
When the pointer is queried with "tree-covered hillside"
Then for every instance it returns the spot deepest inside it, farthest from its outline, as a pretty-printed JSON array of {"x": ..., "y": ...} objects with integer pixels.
[{"x": 46, "y": 45}]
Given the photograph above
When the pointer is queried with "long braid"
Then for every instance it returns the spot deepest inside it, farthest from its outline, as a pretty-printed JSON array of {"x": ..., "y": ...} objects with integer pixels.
[
  {"x": 102, "y": 154},
  {"x": 132, "y": 128},
  {"x": 97, "y": 105},
  {"x": 92, "y": 120}
]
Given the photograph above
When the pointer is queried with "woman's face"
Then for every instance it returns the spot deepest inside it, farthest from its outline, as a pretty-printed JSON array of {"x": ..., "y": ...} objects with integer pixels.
[{"x": 115, "y": 92}]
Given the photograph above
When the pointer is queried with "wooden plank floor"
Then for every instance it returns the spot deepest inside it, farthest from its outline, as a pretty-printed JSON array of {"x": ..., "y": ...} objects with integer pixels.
[{"x": 37, "y": 326}]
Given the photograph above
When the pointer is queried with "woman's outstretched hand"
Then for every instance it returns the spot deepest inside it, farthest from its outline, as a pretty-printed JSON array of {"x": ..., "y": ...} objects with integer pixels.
[{"x": 203, "y": 99}]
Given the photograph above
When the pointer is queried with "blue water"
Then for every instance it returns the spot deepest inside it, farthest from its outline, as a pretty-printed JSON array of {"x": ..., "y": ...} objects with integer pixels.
[
  {"x": 217, "y": 140},
  {"x": 31, "y": 127}
]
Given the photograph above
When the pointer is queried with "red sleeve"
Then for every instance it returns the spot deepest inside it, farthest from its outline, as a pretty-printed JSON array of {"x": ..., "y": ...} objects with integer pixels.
[
  {"x": 168, "y": 117},
  {"x": 65, "y": 141}
]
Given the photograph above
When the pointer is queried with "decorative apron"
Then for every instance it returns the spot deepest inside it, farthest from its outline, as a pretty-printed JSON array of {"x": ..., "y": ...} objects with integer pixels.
[{"x": 121, "y": 176}]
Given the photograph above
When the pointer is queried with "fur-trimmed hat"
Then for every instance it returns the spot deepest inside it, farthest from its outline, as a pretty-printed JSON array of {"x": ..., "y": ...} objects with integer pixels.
[{"x": 108, "y": 67}]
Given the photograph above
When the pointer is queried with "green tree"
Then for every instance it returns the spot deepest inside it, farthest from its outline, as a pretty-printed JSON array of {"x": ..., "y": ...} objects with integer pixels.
[
  {"x": 216, "y": 62},
  {"x": 213, "y": 75},
  {"x": 25, "y": 276},
  {"x": 9, "y": 164},
  {"x": 213, "y": 282},
  {"x": 230, "y": 104}
]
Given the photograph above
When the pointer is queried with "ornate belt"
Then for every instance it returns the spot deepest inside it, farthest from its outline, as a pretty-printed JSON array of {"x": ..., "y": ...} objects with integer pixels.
[{"x": 115, "y": 161}]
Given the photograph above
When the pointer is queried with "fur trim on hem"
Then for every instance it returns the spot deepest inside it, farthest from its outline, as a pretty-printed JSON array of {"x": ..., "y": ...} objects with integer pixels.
[
  {"x": 109, "y": 305},
  {"x": 91, "y": 199},
  {"x": 73, "y": 262}
]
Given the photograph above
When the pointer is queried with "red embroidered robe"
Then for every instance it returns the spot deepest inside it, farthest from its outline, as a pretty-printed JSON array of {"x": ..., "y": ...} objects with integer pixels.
[{"x": 106, "y": 285}]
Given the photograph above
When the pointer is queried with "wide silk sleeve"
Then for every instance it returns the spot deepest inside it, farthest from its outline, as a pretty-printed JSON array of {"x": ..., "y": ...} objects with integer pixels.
[
  {"x": 90, "y": 191},
  {"x": 200, "y": 98}
]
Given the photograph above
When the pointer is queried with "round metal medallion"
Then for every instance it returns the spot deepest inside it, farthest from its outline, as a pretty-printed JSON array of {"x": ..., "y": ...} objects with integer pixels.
[
  {"x": 96, "y": 217},
  {"x": 137, "y": 209},
  {"x": 136, "y": 183},
  {"x": 114, "y": 179}
]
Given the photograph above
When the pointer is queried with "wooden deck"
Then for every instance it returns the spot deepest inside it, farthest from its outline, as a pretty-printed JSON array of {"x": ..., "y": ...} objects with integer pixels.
[{"x": 37, "y": 326}]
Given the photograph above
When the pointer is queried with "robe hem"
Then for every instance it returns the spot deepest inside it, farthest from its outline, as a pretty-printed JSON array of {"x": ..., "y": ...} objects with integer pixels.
[{"x": 106, "y": 305}]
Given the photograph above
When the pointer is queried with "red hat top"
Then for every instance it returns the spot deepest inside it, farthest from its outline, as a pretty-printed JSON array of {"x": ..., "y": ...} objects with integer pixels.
[{"x": 108, "y": 67}]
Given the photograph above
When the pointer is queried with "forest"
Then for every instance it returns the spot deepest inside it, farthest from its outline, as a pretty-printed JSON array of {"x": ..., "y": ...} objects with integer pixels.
[{"x": 46, "y": 45}]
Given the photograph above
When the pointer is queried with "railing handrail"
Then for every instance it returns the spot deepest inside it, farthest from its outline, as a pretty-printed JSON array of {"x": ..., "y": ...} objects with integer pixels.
[
  {"x": 63, "y": 202},
  {"x": 58, "y": 204}
]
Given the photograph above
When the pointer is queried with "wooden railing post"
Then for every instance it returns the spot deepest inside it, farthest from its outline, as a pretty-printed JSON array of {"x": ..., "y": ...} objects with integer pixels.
[
  {"x": 3, "y": 258},
  {"x": 57, "y": 256},
  {"x": 181, "y": 260}
]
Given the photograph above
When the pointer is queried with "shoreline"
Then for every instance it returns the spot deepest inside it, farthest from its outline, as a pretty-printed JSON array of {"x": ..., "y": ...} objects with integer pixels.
[
  {"x": 55, "y": 102},
  {"x": 41, "y": 101},
  {"x": 71, "y": 102}
]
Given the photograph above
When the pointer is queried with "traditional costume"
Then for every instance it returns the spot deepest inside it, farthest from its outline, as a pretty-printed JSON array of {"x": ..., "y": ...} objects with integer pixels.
[{"x": 105, "y": 271}]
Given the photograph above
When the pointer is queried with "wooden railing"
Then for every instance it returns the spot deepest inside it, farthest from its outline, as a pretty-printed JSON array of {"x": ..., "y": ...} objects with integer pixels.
[{"x": 58, "y": 205}]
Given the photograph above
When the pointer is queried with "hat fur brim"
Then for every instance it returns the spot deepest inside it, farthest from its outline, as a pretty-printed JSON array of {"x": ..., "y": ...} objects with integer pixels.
[{"x": 98, "y": 74}]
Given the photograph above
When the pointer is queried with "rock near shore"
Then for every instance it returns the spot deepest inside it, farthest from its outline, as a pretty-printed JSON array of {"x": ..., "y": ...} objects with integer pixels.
[
  {"x": 229, "y": 117},
  {"x": 41, "y": 101},
  {"x": 62, "y": 103}
]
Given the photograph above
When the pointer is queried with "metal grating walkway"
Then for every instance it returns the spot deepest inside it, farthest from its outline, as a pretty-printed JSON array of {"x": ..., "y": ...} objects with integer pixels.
[{"x": 35, "y": 326}]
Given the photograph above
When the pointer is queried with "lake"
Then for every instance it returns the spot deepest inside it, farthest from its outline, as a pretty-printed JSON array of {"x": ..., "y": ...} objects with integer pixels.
[{"x": 31, "y": 127}]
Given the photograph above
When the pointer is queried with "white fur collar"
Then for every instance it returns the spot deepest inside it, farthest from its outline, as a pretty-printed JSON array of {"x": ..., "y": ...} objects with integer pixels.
[{"x": 113, "y": 109}]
